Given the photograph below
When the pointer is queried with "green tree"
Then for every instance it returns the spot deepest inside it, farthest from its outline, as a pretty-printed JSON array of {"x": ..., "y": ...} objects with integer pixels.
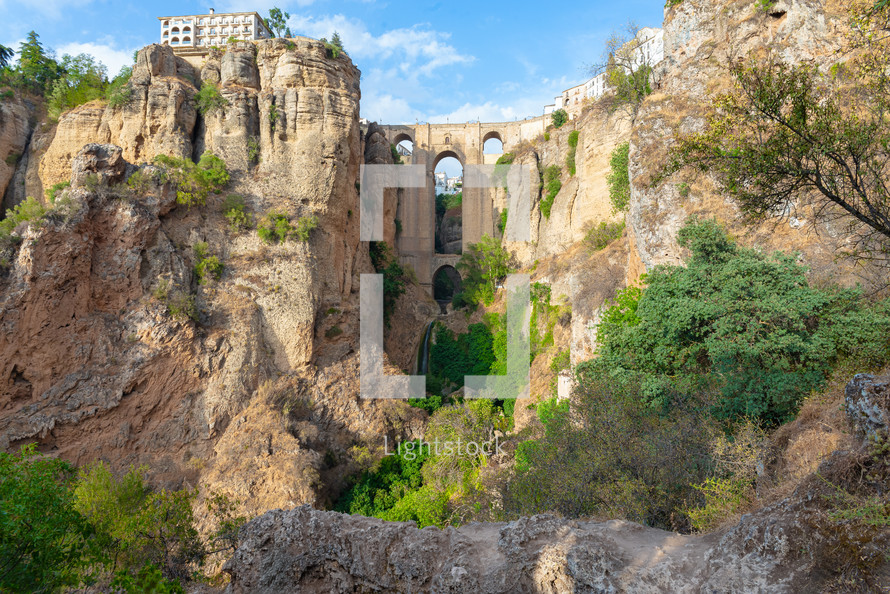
[
  {"x": 628, "y": 69},
  {"x": 610, "y": 455},
  {"x": 37, "y": 67},
  {"x": 83, "y": 79},
  {"x": 336, "y": 41},
  {"x": 791, "y": 138},
  {"x": 277, "y": 22},
  {"x": 43, "y": 540},
  {"x": 6, "y": 55},
  {"x": 619, "y": 178},
  {"x": 559, "y": 118},
  {"x": 743, "y": 322},
  {"x": 484, "y": 264}
]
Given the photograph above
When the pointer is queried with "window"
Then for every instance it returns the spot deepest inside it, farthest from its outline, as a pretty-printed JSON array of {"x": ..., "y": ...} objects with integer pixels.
[{"x": 213, "y": 31}]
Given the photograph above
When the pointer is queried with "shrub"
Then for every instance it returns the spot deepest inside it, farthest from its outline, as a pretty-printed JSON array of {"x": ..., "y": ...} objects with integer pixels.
[
  {"x": 611, "y": 455},
  {"x": 207, "y": 267},
  {"x": 747, "y": 323},
  {"x": 179, "y": 304},
  {"x": 119, "y": 91},
  {"x": 53, "y": 191},
  {"x": 618, "y": 178},
  {"x": 194, "y": 182},
  {"x": 274, "y": 227},
  {"x": 12, "y": 159},
  {"x": 234, "y": 210},
  {"x": 82, "y": 80},
  {"x": 559, "y": 118},
  {"x": 333, "y": 332},
  {"x": 305, "y": 225},
  {"x": 142, "y": 527},
  {"x": 484, "y": 265},
  {"x": 209, "y": 99},
  {"x": 42, "y": 538},
  {"x": 253, "y": 149},
  {"x": 396, "y": 157},
  {"x": 502, "y": 221},
  {"x": 600, "y": 236},
  {"x": 394, "y": 276},
  {"x": 552, "y": 186},
  {"x": 28, "y": 211},
  {"x": 573, "y": 147},
  {"x": 140, "y": 182},
  {"x": 273, "y": 115}
]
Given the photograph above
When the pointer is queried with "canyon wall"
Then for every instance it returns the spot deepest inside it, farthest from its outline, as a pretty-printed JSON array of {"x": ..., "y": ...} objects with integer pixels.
[{"x": 257, "y": 396}]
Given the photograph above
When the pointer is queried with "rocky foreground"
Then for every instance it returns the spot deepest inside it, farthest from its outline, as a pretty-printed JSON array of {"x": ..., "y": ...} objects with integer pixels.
[{"x": 784, "y": 547}]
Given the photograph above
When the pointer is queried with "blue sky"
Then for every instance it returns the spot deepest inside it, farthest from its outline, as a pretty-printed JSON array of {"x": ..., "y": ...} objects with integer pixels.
[{"x": 438, "y": 61}]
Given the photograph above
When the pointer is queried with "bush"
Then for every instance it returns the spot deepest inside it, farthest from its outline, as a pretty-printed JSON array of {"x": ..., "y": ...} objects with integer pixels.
[
  {"x": 552, "y": 186},
  {"x": 484, "y": 265},
  {"x": 82, "y": 80},
  {"x": 573, "y": 147},
  {"x": 207, "y": 267},
  {"x": 119, "y": 91},
  {"x": 600, "y": 236},
  {"x": 502, "y": 221},
  {"x": 618, "y": 178},
  {"x": 396, "y": 157},
  {"x": 234, "y": 210},
  {"x": 275, "y": 227},
  {"x": 43, "y": 540},
  {"x": 305, "y": 225},
  {"x": 559, "y": 118},
  {"x": 209, "y": 98},
  {"x": 747, "y": 323},
  {"x": 179, "y": 304},
  {"x": 253, "y": 149},
  {"x": 611, "y": 456},
  {"x": 394, "y": 276},
  {"x": 194, "y": 182},
  {"x": 29, "y": 211},
  {"x": 53, "y": 192},
  {"x": 141, "y": 527}
]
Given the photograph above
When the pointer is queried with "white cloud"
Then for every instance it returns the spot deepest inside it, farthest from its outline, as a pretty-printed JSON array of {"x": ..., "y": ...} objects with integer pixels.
[
  {"x": 114, "y": 59},
  {"x": 419, "y": 50}
]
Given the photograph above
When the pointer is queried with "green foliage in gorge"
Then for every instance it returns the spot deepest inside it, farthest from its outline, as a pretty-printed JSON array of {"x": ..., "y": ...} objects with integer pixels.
[{"x": 739, "y": 319}]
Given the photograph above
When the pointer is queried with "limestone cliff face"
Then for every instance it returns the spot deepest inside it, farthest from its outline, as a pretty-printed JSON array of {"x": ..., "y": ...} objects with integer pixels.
[
  {"x": 700, "y": 40},
  {"x": 159, "y": 119},
  {"x": 93, "y": 364},
  {"x": 16, "y": 127}
]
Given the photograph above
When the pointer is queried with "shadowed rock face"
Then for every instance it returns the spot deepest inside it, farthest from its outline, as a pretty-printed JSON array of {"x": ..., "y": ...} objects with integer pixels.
[{"x": 310, "y": 551}]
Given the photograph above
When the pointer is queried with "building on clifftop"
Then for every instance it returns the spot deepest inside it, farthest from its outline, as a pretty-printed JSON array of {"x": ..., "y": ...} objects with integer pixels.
[{"x": 197, "y": 33}]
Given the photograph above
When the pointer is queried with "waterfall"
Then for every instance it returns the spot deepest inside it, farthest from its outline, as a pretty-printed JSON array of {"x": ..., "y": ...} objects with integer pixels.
[{"x": 423, "y": 362}]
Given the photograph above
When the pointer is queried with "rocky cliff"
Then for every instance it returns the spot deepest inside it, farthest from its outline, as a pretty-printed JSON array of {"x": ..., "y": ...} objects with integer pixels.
[
  {"x": 256, "y": 397},
  {"x": 784, "y": 547}
]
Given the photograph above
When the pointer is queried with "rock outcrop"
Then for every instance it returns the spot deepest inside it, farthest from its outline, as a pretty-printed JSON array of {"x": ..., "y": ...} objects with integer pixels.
[
  {"x": 16, "y": 127},
  {"x": 777, "y": 549},
  {"x": 867, "y": 402},
  {"x": 93, "y": 363}
]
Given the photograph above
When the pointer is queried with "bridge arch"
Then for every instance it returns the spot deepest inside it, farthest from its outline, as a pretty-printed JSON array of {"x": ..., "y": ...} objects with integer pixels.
[
  {"x": 493, "y": 143},
  {"x": 447, "y": 282}
]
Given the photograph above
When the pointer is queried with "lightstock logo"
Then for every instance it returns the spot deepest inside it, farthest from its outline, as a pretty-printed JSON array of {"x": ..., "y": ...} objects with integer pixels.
[{"x": 375, "y": 383}]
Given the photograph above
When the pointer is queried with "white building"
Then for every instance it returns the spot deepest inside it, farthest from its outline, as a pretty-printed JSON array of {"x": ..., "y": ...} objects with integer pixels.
[
  {"x": 201, "y": 31},
  {"x": 649, "y": 49}
]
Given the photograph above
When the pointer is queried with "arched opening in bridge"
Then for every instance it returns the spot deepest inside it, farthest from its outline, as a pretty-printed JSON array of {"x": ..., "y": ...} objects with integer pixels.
[
  {"x": 449, "y": 175},
  {"x": 404, "y": 145},
  {"x": 446, "y": 284},
  {"x": 493, "y": 144}
]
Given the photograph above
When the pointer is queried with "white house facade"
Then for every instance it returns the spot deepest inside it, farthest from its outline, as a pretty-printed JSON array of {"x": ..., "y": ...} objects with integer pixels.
[
  {"x": 202, "y": 31},
  {"x": 649, "y": 50}
]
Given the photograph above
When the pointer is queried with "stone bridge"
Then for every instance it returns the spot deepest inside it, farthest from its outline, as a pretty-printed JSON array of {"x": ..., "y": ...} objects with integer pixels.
[{"x": 416, "y": 210}]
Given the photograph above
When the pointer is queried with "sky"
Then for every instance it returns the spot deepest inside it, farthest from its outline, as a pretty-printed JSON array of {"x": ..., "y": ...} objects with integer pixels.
[{"x": 435, "y": 62}]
